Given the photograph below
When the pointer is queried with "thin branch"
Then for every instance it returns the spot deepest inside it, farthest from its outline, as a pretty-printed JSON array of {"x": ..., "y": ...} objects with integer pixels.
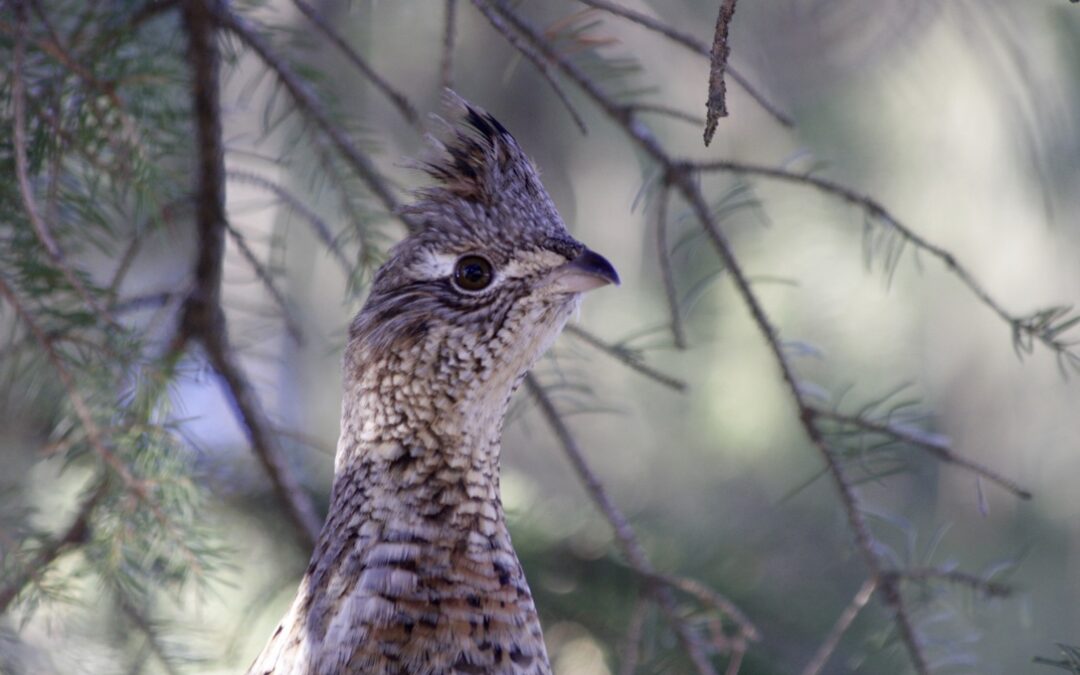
[
  {"x": 446, "y": 67},
  {"x": 202, "y": 317},
  {"x": 716, "y": 106},
  {"x": 627, "y": 357},
  {"x": 407, "y": 110},
  {"x": 821, "y": 657},
  {"x": 22, "y": 170},
  {"x": 904, "y": 625},
  {"x": 322, "y": 229},
  {"x": 876, "y": 210},
  {"x": 146, "y": 627},
  {"x": 668, "y": 111},
  {"x": 693, "y": 44},
  {"x": 538, "y": 62},
  {"x": 713, "y": 600},
  {"x": 267, "y": 279},
  {"x": 76, "y": 534},
  {"x": 624, "y": 534},
  {"x": 666, "y": 272},
  {"x": 308, "y": 103},
  {"x": 936, "y": 446},
  {"x": 991, "y": 589}
]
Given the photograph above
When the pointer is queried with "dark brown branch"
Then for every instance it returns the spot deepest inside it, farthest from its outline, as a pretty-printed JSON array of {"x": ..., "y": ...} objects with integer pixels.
[
  {"x": 446, "y": 66},
  {"x": 632, "y": 550},
  {"x": 693, "y": 44},
  {"x": 667, "y": 274},
  {"x": 407, "y": 110},
  {"x": 322, "y": 229},
  {"x": 42, "y": 230},
  {"x": 308, "y": 103},
  {"x": 939, "y": 448},
  {"x": 843, "y": 622},
  {"x": 267, "y": 279},
  {"x": 716, "y": 106},
  {"x": 627, "y": 357},
  {"x": 76, "y": 534},
  {"x": 202, "y": 318}
]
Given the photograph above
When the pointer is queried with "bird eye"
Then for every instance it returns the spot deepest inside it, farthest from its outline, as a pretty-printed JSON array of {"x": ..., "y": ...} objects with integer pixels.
[{"x": 473, "y": 273}]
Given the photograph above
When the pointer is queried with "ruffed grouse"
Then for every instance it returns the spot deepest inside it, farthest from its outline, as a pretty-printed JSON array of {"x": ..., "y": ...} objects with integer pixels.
[{"x": 414, "y": 572}]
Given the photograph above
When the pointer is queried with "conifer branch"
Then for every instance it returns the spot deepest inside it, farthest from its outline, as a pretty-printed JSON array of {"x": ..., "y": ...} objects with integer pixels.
[
  {"x": 399, "y": 100},
  {"x": 265, "y": 276},
  {"x": 632, "y": 551},
  {"x": 75, "y": 535},
  {"x": 202, "y": 317},
  {"x": 322, "y": 229},
  {"x": 309, "y": 105},
  {"x": 626, "y": 356},
  {"x": 667, "y": 274},
  {"x": 935, "y": 445},
  {"x": 42, "y": 230}
]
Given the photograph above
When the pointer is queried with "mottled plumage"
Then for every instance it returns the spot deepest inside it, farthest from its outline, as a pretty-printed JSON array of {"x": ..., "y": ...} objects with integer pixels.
[{"x": 414, "y": 571}]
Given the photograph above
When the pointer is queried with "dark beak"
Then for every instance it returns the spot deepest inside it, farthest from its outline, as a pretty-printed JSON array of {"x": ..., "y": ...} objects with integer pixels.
[{"x": 587, "y": 271}]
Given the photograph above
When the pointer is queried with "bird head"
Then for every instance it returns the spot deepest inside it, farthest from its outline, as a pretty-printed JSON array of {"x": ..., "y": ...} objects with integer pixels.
[{"x": 465, "y": 305}]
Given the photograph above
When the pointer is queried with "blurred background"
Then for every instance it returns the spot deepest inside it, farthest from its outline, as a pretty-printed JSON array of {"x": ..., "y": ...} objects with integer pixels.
[{"x": 961, "y": 118}]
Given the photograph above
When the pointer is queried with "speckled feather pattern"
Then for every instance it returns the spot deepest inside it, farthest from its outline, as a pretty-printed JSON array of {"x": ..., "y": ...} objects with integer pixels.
[{"x": 414, "y": 571}]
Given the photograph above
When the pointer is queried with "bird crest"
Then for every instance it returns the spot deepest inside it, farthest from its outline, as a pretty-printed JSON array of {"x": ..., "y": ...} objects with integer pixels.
[{"x": 479, "y": 160}]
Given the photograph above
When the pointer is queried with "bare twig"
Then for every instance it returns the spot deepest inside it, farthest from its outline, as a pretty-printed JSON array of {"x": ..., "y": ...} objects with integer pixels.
[
  {"x": 821, "y": 657},
  {"x": 76, "y": 534},
  {"x": 147, "y": 628},
  {"x": 22, "y": 171},
  {"x": 321, "y": 227},
  {"x": 202, "y": 317},
  {"x": 308, "y": 103},
  {"x": 713, "y": 600},
  {"x": 666, "y": 272},
  {"x": 626, "y": 356},
  {"x": 693, "y": 44},
  {"x": 624, "y": 534},
  {"x": 446, "y": 67},
  {"x": 267, "y": 279},
  {"x": 407, "y": 110},
  {"x": 935, "y": 445},
  {"x": 716, "y": 106}
]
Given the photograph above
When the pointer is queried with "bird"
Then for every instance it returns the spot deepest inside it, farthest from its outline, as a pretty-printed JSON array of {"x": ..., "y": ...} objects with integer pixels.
[{"x": 414, "y": 572}]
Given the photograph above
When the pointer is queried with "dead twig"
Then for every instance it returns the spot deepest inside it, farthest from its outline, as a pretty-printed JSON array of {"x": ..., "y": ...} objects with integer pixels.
[
  {"x": 716, "y": 106},
  {"x": 693, "y": 44},
  {"x": 292, "y": 326}
]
